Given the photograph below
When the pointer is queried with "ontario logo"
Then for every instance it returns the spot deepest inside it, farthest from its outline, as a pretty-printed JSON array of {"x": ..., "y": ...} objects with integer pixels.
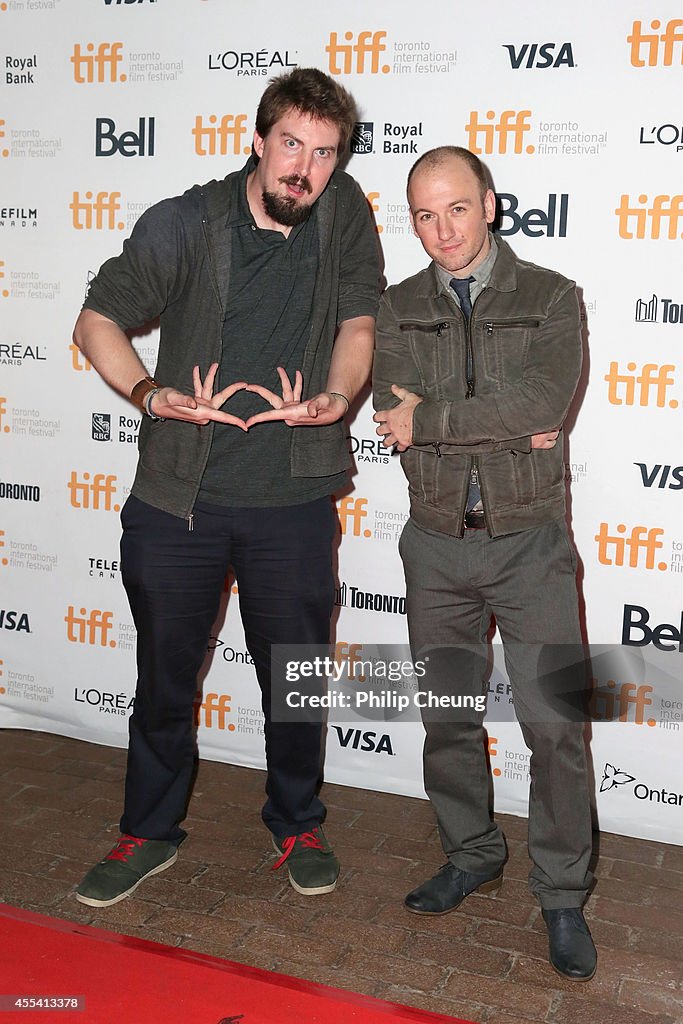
[{"x": 614, "y": 779}]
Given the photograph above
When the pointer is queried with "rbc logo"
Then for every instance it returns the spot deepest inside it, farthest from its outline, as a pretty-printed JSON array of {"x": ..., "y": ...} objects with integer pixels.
[
  {"x": 140, "y": 143},
  {"x": 101, "y": 426},
  {"x": 363, "y": 137}
]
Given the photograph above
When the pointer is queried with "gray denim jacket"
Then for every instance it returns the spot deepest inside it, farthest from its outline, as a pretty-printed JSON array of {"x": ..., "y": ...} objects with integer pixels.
[
  {"x": 176, "y": 266},
  {"x": 525, "y": 342}
]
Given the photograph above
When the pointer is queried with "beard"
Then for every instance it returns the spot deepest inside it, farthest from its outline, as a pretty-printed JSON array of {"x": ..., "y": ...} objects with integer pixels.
[{"x": 287, "y": 210}]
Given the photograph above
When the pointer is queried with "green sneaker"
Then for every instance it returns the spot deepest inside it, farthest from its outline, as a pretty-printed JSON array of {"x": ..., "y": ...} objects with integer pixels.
[
  {"x": 312, "y": 866},
  {"x": 125, "y": 866}
]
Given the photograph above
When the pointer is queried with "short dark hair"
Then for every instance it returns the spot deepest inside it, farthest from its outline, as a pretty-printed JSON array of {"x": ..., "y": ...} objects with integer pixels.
[
  {"x": 311, "y": 92},
  {"x": 434, "y": 157}
]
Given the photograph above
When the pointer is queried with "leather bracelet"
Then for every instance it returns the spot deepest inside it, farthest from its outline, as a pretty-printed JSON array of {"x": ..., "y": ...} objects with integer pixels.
[
  {"x": 338, "y": 394},
  {"x": 138, "y": 395}
]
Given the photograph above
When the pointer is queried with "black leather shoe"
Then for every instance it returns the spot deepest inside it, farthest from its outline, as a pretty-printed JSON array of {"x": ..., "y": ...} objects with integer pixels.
[
  {"x": 448, "y": 888},
  {"x": 572, "y": 952}
]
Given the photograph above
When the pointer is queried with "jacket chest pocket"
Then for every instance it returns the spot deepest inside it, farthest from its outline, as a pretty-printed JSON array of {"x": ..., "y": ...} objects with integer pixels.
[
  {"x": 436, "y": 354},
  {"x": 505, "y": 348}
]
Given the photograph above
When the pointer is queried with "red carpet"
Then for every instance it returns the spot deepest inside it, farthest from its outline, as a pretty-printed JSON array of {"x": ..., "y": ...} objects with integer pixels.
[{"x": 120, "y": 978}]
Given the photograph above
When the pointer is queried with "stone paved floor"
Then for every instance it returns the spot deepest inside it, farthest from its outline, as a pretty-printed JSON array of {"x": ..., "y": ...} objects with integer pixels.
[{"x": 60, "y": 802}]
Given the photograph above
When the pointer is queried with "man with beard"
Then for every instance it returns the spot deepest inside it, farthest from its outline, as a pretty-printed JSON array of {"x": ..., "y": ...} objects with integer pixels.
[
  {"x": 477, "y": 361},
  {"x": 266, "y": 286}
]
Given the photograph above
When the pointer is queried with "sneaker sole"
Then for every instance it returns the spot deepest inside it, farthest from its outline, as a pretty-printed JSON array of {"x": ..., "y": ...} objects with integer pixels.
[
  {"x": 91, "y": 902},
  {"x": 317, "y": 890}
]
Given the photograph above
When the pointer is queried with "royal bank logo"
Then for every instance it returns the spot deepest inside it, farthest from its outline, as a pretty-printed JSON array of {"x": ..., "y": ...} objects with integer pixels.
[
  {"x": 658, "y": 310},
  {"x": 363, "y": 137},
  {"x": 20, "y": 70},
  {"x": 540, "y": 55},
  {"x": 101, "y": 426},
  {"x": 613, "y": 777},
  {"x": 656, "y": 48}
]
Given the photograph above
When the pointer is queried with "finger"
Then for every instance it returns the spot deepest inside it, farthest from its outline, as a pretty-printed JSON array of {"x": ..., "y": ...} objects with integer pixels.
[
  {"x": 209, "y": 381},
  {"x": 287, "y": 392},
  {"x": 179, "y": 400},
  {"x": 298, "y": 385},
  {"x": 222, "y": 396},
  {"x": 266, "y": 417},
  {"x": 399, "y": 392},
  {"x": 197, "y": 381},
  {"x": 269, "y": 396},
  {"x": 224, "y": 417}
]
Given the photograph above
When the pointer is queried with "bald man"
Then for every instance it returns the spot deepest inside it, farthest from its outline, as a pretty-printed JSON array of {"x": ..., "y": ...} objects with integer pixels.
[{"x": 477, "y": 360}]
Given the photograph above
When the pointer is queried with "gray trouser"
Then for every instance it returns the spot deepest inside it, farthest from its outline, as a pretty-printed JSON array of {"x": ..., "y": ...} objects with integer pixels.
[{"x": 528, "y": 581}]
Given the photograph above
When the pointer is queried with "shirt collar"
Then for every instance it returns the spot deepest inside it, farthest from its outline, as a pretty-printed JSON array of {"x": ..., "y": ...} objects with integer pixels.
[{"x": 481, "y": 274}]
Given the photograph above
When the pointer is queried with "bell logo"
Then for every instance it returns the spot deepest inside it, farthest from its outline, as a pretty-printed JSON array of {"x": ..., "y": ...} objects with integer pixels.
[
  {"x": 78, "y": 361},
  {"x": 352, "y": 510},
  {"x": 130, "y": 143},
  {"x": 368, "y": 45},
  {"x": 99, "y": 65},
  {"x": 641, "y": 539},
  {"x": 89, "y": 627},
  {"x": 649, "y": 43},
  {"x": 622, "y": 387},
  {"x": 220, "y": 139},
  {"x": 372, "y": 198},
  {"x": 95, "y": 494},
  {"x": 663, "y": 207},
  {"x": 513, "y": 123},
  {"x": 613, "y": 703},
  {"x": 90, "y": 213},
  {"x": 3, "y": 410},
  {"x": 213, "y": 706},
  {"x": 535, "y": 222}
]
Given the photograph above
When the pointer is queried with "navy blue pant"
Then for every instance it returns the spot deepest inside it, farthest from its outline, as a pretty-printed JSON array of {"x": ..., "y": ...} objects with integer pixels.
[{"x": 282, "y": 559}]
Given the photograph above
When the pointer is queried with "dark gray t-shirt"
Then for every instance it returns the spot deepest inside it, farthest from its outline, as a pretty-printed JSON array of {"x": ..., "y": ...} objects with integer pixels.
[{"x": 272, "y": 282}]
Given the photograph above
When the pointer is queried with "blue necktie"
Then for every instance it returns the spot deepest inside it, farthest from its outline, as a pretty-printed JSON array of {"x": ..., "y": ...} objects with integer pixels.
[{"x": 461, "y": 287}]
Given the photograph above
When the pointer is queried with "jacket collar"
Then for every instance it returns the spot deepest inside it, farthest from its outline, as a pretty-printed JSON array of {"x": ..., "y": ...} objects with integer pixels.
[{"x": 503, "y": 276}]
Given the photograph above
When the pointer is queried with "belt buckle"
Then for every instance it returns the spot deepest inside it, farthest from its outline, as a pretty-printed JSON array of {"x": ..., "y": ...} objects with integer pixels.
[{"x": 475, "y": 520}]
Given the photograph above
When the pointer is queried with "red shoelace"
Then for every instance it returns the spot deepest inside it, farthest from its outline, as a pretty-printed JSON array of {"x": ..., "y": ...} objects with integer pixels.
[
  {"x": 310, "y": 839},
  {"x": 125, "y": 848}
]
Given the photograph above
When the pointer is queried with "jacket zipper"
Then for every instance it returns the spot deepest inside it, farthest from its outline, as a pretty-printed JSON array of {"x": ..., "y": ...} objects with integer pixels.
[{"x": 493, "y": 325}]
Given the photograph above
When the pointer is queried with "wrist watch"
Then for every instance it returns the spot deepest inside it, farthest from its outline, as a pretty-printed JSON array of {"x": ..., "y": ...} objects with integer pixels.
[{"x": 141, "y": 393}]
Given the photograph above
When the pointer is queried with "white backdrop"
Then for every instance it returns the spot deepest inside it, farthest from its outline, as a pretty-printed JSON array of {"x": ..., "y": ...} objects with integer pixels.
[{"x": 107, "y": 107}]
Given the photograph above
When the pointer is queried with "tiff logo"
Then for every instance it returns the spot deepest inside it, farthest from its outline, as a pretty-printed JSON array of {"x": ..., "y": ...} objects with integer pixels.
[
  {"x": 651, "y": 375},
  {"x": 89, "y": 627},
  {"x": 78, "y": 361},
  {"x": 212, "y": 705},
  {"x": 96, "y": 494},
  {"x": 352, "y": 511},
  {"x": 97, "y": 66},
  {"x": 513, "y": 123},
  {"x": 220, "y": 139},
  {"x": 88, "y": 214},
  {"x": 609, "y": 704},
  {"x": 367, "y": 45},
  {"x": 663, "y": 208},
  {"x": 671, "y": 38},
  {"x": 3, "y": 409},
  {"x": 612, "y": 549}
]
